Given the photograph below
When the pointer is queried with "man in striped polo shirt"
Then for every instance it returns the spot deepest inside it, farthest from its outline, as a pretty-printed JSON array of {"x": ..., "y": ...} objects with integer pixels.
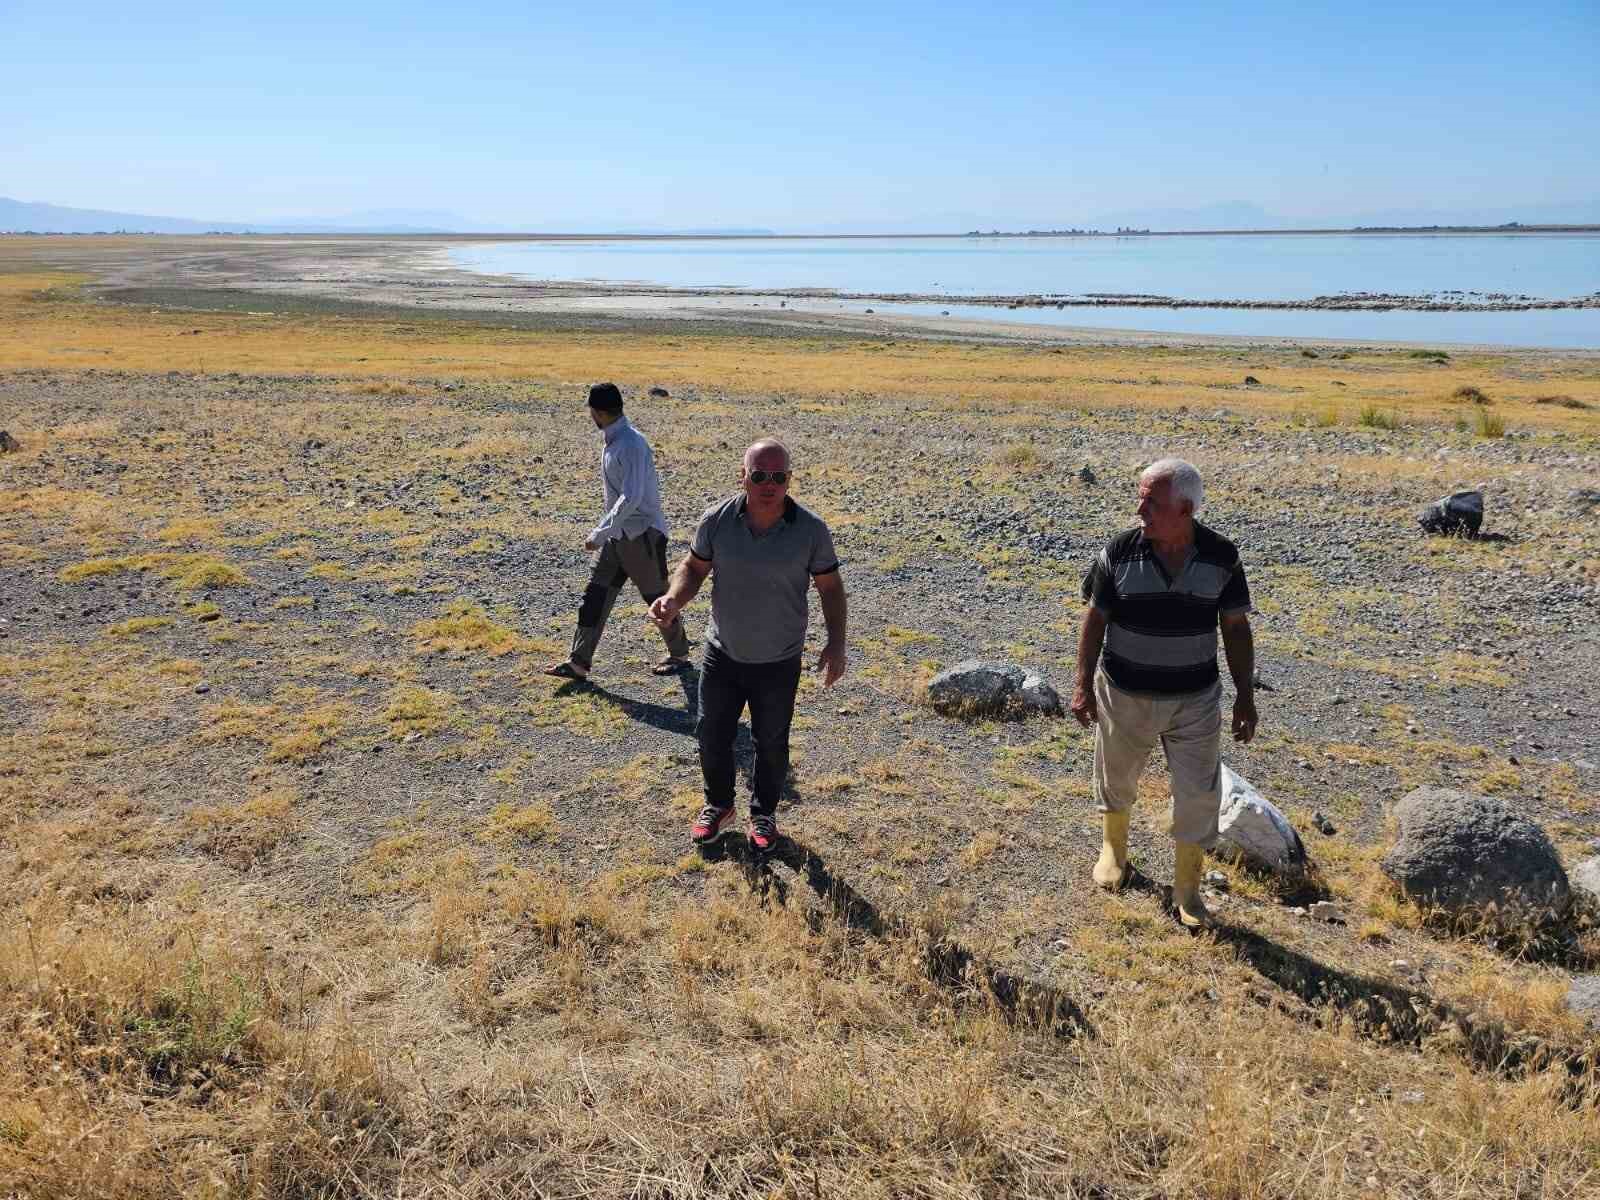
[{"x": 1157, "y": 595}]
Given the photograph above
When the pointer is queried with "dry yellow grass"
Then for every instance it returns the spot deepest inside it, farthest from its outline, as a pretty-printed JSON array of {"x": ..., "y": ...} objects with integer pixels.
[
  {"x": 292, "y": 982},
  {"x": 45, "y": 323}
]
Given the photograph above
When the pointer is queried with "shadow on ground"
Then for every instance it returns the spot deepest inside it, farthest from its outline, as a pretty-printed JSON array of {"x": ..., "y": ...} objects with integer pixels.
[
  {"x": 947, "y": 963},
  {"x": 1396, "y": 1015},
  {"x": 682, "y": 721}
]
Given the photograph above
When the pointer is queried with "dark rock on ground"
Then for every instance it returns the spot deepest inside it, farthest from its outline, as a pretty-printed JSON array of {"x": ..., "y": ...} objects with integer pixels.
[
  {"x": 1456, "y": 514},
  {"x": 1474, "y": 857}
]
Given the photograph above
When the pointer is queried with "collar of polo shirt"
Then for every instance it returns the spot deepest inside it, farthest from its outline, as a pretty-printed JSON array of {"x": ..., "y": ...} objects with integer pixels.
[{"x": 789, "y": 512}]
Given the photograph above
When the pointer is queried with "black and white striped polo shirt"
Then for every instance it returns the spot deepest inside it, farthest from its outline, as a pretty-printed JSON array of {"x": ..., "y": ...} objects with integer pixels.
[{"x": 1161, "y": 632}]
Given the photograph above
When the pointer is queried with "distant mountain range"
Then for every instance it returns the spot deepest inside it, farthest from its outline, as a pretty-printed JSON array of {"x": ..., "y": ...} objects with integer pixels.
[
  {"x": 1224, "y": 218},
  {"x": 17, "y": 216}
]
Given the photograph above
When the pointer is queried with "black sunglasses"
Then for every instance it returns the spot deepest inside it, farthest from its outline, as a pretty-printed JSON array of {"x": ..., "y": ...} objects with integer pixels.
[{"x": 778, "y": 477}]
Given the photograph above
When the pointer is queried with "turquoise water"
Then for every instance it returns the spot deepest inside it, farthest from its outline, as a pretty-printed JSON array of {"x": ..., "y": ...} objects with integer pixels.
[{"x": 1251, "y": 267}]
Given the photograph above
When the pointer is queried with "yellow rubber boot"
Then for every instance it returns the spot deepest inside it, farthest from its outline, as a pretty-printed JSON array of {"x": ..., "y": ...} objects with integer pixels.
[
  {"x": 1112, "y": 869},
  {"x": 1192, "y": 912}
]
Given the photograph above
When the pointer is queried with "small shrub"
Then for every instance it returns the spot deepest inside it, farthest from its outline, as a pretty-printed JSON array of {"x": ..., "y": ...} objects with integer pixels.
[
  {"x": 1374, "y": 417},
  {"x": 1466, "y": 392},
  {"x": 200, "y": 1021},
  {"x": 1562, "y": 401},
  {"x": 1430, "y": 355},
  {"x": 1489, "y": 425},
  {"x": 1022, "y": 458}
]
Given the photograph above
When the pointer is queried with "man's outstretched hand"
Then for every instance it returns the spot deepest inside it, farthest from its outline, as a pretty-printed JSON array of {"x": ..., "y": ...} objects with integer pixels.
[
  {"x": 1244, "y": 719},
  {"x": 664, "y": 611},
  {"x": 831, "y": 663}
]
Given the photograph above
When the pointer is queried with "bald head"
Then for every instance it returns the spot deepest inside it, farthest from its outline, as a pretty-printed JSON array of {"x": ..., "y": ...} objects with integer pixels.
[{"x": 769, "y": 454}]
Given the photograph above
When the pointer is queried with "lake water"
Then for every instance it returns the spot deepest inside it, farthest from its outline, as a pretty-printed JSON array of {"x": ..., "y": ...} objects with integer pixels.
[{"x": 1251, "y": 267}]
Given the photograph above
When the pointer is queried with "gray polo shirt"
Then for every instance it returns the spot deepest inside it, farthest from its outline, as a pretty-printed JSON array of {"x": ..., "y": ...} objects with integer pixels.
[{"x": 759, "y": 582}]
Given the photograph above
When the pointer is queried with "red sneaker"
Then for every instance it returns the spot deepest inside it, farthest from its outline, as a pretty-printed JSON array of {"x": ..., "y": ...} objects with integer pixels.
[
  {"x": 763, "y": 833},
  {"x": 711, "y": 825}
]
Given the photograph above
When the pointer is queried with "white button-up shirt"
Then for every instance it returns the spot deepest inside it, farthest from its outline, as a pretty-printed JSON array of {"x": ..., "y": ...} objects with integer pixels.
[{"x": 632, "y": 490}]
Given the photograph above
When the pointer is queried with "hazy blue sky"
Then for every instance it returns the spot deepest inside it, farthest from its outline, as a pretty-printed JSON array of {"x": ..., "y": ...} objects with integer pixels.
[{"x": 620, "y": 113}]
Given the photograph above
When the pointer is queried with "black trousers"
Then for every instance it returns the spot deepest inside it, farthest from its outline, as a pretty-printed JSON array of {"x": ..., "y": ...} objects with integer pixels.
[{"x": 726, "y": 687}]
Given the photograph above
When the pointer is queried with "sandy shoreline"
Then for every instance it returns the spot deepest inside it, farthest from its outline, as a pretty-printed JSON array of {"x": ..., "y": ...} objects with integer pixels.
[{"x": 414, "y": 273}]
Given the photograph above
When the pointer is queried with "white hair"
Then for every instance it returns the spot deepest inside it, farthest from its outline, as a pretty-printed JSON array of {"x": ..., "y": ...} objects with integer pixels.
[{"x": 1185, "y": 478}]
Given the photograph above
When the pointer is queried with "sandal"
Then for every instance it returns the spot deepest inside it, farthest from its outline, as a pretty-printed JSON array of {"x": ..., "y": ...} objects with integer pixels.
[
  {"x": 565, "y": 670},
  {"x": 671, "y": 666}
]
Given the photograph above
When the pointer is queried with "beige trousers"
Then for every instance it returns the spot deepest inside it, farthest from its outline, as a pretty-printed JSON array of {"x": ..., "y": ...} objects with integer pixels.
[{"x": 1188, "y": 727}]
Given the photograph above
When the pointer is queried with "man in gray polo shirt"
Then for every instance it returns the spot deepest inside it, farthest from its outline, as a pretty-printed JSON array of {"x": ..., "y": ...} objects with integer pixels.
[{"x": 766, "y": 552}]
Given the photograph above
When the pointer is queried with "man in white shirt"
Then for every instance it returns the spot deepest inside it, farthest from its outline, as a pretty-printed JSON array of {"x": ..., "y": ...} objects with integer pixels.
[{"x": 629, "y": 543}]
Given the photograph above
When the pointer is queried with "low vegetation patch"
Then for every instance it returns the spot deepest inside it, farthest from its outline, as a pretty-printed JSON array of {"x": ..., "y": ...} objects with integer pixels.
[
  {"x": 465, "y": 626},
  {"x": 1489, "y": 425},
  {"x": 417, "y": 710},
  {"x": 249, "y": 831},
  {"x": 314, "y": 729},
  {"x": 188, "y": 572},
  {"x": 509, "y": 824},
  {"x": 137, "y": 625},
  {"x": 1022, "y": 458}
]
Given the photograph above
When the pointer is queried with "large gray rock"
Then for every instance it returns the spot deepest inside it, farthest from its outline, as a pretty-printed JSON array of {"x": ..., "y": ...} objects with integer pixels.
[
  {"x": 989, "y": 689},
  {"x": 1585, "y": 881},
  {"x": 1583, "y": 998},
  {"x": 1037, "y": 696},
  {"x": 1472, "y": 856},
  {"x": 1253, "y": 828}
]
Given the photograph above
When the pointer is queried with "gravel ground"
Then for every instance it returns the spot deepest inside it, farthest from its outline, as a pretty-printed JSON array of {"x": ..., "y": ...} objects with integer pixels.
[{"x": 1391, "y": 659}]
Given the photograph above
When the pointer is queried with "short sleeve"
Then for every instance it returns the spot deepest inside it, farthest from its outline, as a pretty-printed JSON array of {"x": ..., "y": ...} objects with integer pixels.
[
  {"x": 700, "y": 544},
  {"x": 823, "y": 558},
  {"x": 1235, "y": 595},
  {"x": 1098, "y": 589}
]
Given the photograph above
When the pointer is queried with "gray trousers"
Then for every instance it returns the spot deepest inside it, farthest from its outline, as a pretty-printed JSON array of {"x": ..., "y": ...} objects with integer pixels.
[{"x": 642, "y": 559}]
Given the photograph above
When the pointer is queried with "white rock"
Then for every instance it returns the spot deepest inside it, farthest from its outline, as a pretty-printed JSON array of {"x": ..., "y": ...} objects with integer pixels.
[
  {"x": 1585, "y": 881},
  {"x": 1251, "y": 826}
]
